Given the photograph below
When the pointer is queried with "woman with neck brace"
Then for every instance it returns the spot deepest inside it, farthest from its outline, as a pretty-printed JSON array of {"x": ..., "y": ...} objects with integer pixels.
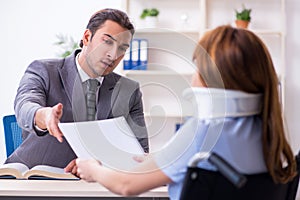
[{"x": 237, "y": 115}]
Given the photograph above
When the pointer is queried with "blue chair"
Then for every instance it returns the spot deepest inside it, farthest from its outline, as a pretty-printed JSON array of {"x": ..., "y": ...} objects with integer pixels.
[{"x": 12, "y": 133}]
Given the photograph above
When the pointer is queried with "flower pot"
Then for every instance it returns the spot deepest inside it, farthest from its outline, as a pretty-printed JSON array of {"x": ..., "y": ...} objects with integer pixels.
[
  {"x": 151, "y": 22},
  {"x": 241, "y": 23}
]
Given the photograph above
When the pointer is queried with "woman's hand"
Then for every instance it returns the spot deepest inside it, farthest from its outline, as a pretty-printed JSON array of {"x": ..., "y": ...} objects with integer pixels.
[
  {"x": 87, "y": 169},
  {"x": 140, "y": 158}
]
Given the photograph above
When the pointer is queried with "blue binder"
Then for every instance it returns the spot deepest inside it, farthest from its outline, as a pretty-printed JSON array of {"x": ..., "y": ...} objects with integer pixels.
[
  {"x": 143, "y": 58},
  {"x": 127, "y": 60},
  {"x": 137, "y": 57}
]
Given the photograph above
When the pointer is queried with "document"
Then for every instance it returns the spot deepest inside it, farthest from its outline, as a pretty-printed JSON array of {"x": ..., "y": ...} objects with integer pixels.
[{"x": 110, "y": 141}]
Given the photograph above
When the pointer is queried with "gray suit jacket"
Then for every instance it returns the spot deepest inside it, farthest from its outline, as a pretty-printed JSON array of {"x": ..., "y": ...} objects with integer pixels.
[{"x": 48, "y": 82}]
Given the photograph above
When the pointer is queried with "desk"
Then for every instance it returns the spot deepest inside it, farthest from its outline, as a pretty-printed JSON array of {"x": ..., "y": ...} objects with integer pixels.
[{"x": 54, "y": 189}]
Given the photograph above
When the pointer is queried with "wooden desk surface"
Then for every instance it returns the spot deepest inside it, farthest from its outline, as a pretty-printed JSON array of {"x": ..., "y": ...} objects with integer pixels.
[{"x": 60, "y": 188}]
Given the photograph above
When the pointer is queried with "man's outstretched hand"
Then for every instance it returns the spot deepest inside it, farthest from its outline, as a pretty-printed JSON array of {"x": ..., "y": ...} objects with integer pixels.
[{"x": 48, "y": 118}]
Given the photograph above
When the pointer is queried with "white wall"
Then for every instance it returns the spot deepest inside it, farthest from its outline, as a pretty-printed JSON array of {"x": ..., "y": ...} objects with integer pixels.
[
  {"x": 28, "y": 31},
  {"x": 292, "y": 106},
  {"x": 293, "y": 72}
]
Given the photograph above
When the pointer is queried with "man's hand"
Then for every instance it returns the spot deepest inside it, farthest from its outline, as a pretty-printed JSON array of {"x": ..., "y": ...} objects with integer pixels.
[{"x": 48, "y": 118}]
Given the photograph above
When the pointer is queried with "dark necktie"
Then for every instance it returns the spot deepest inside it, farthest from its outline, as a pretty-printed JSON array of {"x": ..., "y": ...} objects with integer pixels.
[{"x": 91, "y": 98}]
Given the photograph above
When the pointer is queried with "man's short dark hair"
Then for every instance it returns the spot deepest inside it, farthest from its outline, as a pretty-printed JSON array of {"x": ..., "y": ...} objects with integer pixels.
[{"x": 98, "y": 19}]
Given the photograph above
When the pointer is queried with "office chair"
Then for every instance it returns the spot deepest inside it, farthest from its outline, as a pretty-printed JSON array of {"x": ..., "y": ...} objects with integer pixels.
[
  {"x": 12, "y": 133},
  {"x": 227, "y": 183}
]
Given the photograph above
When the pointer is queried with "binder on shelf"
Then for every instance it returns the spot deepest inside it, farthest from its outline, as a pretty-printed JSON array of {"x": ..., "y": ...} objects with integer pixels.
[
  {"x": 143, "y": 54},
  {"x": 127, "y": 60},
  {"x": 137, "y": 57},
  {"x": 135, "y": 48}
]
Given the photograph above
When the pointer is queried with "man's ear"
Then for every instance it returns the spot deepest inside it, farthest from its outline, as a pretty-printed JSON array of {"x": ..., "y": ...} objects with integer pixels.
[{"x": 86, "y": 37}]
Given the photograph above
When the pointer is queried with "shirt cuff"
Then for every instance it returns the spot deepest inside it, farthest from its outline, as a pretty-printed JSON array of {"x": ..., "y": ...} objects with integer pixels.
[{"x": 39, "y": 131}]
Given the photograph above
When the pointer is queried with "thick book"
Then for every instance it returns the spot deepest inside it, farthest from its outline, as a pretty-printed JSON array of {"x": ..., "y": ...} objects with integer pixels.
[
  {"x": 110, "y": 141},
  {"x": 21, "y": 171}
]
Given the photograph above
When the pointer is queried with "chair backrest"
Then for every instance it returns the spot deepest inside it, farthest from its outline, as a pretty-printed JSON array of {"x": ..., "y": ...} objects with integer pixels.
[
  {"x": 12, "y": 133},
  {"x": 203, "y": 184}
]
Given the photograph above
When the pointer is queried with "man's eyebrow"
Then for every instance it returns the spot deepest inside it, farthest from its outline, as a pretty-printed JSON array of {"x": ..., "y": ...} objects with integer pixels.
[
  {"x": 111, "y": 37},
  {"x": 124, "y": 44}
]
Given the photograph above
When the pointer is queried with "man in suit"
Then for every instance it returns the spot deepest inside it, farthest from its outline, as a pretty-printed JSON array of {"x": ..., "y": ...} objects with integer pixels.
[{"x": 53, "y": 91}]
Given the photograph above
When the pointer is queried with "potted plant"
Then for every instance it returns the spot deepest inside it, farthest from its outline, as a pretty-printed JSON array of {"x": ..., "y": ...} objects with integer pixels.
[
  {"x": 150, "y": 15},
  {"x": 243, "y": 18},
  {"x": 67, "y": 45}
]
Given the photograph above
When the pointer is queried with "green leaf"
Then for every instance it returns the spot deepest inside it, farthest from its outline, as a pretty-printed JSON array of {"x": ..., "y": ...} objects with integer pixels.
[
  {"x": 149, "y": 12},
  {"x": 244, "y": 14},
  {"x": 67, "y": 44}
]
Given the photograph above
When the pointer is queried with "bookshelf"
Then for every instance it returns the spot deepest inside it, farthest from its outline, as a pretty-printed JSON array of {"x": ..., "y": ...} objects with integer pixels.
[
  {"x": 171, "y": 45},
  {"x": 268, "y": 22},
  {"x": 170, "y": 67}
]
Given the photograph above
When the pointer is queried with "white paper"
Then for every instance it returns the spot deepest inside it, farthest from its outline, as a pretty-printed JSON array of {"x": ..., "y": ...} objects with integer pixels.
[{"x": 110, "y": 141}]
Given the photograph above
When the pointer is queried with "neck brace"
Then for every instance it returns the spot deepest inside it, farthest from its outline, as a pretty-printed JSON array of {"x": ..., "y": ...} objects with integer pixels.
[{"x": 212, "y": 103}]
